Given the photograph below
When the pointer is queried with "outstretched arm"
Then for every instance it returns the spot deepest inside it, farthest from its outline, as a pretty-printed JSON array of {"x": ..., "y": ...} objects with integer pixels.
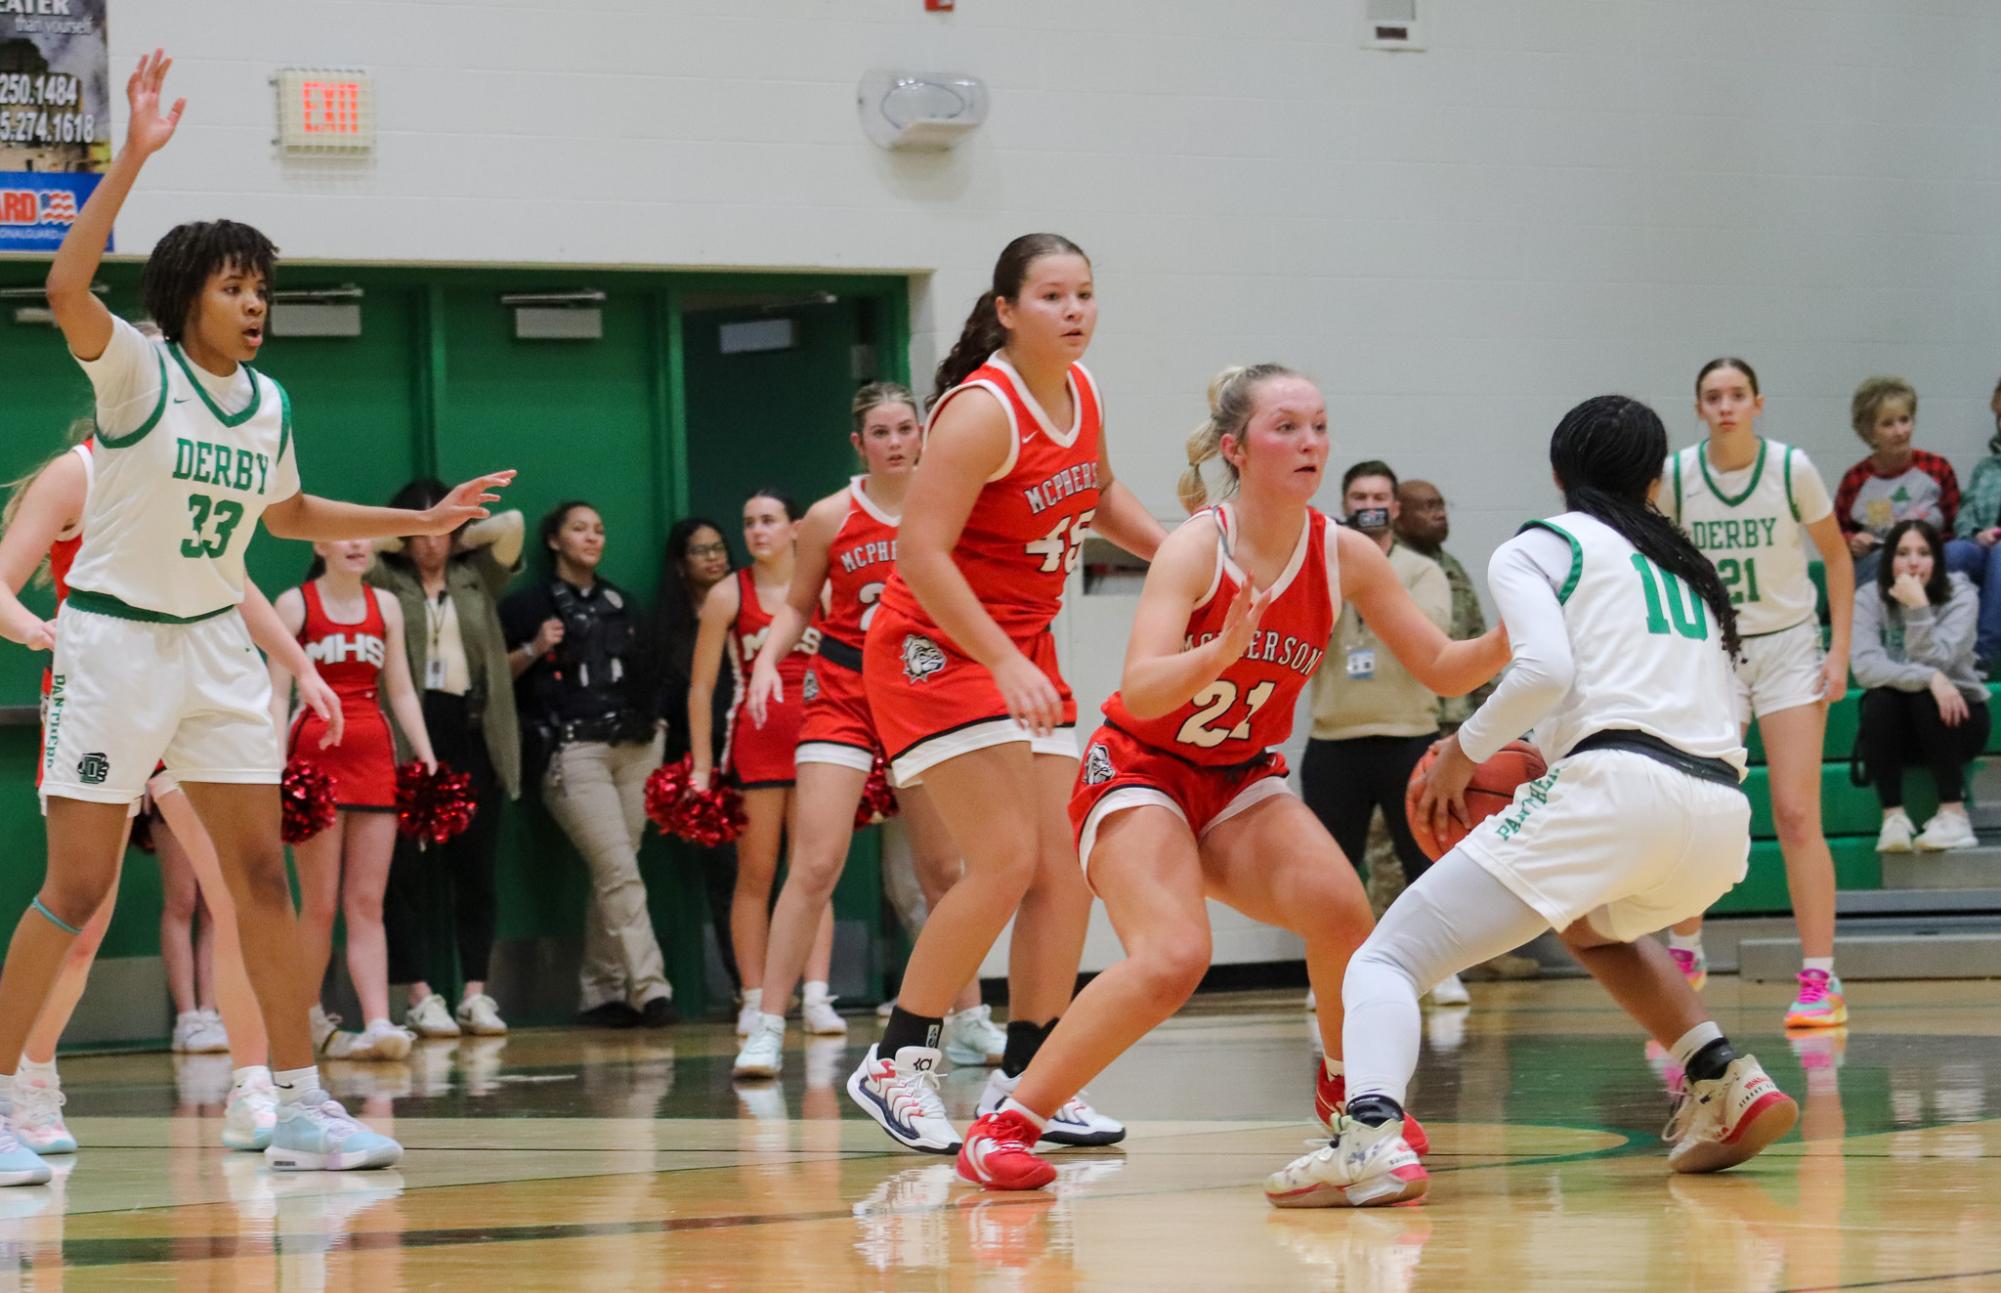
[
  {"x": 309, "y": 517},
  {"x": 85, "y": 323},
  {"x": 1442, "y": 665}
]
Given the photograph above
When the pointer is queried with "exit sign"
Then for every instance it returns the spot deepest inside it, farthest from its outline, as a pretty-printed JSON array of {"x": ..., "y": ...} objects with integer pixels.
[{"x": 325, "y": 110}]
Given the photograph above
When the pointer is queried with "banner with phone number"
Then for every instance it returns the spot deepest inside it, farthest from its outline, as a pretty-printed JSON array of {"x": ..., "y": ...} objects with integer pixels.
[{"x": 55, "y": 117}]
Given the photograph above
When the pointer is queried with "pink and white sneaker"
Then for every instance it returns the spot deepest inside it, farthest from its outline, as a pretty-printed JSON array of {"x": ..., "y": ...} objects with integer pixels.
[
  {"x": 1363, "y": 1167},
  {"x": 1822, "y": 1002},
  {"x": 1724, "y": 1121},
  {"x": 1694, "y": 966},
  {"x": 1330, "y": 1102}
]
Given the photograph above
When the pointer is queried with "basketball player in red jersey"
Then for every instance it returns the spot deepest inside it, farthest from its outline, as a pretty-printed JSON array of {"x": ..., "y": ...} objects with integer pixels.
[
  {"x": 44, "y": 514},
  {"x": 962, "y": 679},
  {"x": 735, "y": 617},
  {"x": 355, "y": 634},
  {"x": 846, "y": 552},
  {"x": 1182, "y": 795}
]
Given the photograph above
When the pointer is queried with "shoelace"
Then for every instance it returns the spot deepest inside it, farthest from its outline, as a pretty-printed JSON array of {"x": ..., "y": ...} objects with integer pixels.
[
  {"x": 9, "y": 1143},
  {"x": 1012, "y": 1131},
  {"x": 329, "y": 1115},
  {"x": 39, "y": 1103},
  {"x": 920, "y": 1089},
  {"x": 1813, "y": 987}
]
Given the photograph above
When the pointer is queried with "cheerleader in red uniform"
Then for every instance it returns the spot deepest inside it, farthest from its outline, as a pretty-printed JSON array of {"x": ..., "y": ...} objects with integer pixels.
[
  {"x": 1182, "y": 796},
  {"x": 737, "y": 616},
  {"x": 44, "y": 514},
  {"x": 354, "y": 633},
  {"x": 961, "y": 672},
  {"x": 845, "y": 554}
]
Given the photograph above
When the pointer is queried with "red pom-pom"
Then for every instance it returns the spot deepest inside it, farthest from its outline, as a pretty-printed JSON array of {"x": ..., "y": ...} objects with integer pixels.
[
  {"x": 704, "y": 818},
  {"x": 878, "y": 801},
  {"x": 433, "y": 807},
  {"x": 666, "y": 787},
  {"x": 307, "y": 796}
]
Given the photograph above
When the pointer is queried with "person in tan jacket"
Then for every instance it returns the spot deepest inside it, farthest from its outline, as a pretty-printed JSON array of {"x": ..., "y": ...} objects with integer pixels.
[{"x": 1372, "y": 721}]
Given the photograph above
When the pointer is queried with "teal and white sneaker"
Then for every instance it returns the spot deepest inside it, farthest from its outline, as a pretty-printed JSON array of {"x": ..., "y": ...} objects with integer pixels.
[
  {"x": 251, "y": 1115},
  {"x": 20, "y": 1165},
  {"x": 38, "y": 1117},
  {"x": 317, "y": 1135}
]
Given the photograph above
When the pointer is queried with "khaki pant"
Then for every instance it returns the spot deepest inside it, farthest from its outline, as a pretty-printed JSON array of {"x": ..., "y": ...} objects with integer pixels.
[{"x": 597, "y": 794}]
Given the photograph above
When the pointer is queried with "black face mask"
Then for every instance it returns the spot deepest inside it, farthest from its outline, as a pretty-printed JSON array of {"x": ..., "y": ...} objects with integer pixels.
[{"x": 1369, "y": 519}]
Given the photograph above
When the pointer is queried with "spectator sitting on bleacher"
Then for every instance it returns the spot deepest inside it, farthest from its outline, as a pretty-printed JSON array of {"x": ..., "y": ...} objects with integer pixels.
[
  {"x": 1896, "y": 482},
  {"x": 1923, "y": 703},
  {"x": 1979, "y": 523}
]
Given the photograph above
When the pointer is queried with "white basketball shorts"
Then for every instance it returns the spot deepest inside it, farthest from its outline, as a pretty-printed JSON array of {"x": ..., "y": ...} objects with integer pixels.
[
  {"x": 1624, "y": 840},
  {"x": 1779, "y": 671},
  {"x": 127, "y": 694}
]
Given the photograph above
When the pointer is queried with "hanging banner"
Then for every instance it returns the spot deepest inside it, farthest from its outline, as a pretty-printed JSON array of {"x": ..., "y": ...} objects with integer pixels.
[{"x": 55, "y": 117}]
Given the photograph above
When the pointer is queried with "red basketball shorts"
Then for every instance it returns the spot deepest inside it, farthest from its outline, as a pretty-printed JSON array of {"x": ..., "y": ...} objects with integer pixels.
[
  {"x": 932, "y": 702},
  {"x": 838, "y": 727},
  {"x": 1119, "y": 772}
]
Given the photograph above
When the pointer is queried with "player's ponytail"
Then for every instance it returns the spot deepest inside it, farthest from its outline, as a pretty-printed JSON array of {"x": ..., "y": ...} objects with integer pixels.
[
  {"x": 1607, "y": 454},
  {"x": 1232, "y": 401},
  {"x": 983, "y": 333}
]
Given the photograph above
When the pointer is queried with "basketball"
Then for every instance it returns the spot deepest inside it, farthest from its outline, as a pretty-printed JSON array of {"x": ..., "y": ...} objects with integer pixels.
[{"x": 1492, "y": 789}]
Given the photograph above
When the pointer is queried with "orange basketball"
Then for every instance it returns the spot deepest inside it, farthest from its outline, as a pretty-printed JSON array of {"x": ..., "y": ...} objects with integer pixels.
[{"x": 1492, "y": 789}]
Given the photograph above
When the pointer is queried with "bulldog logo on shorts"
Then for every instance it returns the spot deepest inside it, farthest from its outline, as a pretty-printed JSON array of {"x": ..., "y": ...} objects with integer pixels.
[
  {"x": 809, "y": 691},
  {"x": 921, "y": 657},
  {"x": 1097, "y": 766}
]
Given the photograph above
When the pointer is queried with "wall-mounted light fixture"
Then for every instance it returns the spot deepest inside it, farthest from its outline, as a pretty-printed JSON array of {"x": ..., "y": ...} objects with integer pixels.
[
  {"x": 557, "y": 316},
  {"x": 920, "y": 111}
]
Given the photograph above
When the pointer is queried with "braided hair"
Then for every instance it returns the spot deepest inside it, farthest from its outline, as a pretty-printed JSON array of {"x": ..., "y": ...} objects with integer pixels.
[
  {"x": 183, "y": 259},
  {"x": 983, "y": 333},
  {"x": 1607, "y": 454}
]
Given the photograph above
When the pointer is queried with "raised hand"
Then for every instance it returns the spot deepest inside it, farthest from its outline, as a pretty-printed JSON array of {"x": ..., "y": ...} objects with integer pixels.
[
  {"x": 147, "y": 130},
  {"x": 1240, "y": 622},
  {"x": 466, "y": 502}
]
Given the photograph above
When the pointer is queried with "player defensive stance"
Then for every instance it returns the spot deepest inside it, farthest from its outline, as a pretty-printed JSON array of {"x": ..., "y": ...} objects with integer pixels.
[
  {"x": 1616, "y": 623},
  {"x": 1182, "y": 796}
]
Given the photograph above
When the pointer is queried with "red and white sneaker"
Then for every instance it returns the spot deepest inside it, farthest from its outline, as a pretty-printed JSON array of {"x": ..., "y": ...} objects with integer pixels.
[
  {"x": 1724, "y": 1121},
  {"x": 997, "y": 1154},
  {"x": 1364, "y": 1167},
  {"x": 1330, "y": 1101}
]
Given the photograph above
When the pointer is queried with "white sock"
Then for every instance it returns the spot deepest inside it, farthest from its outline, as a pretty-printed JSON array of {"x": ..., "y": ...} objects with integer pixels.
[
  {"x": 293, "y": 1084},
  {"x": 769, "y": 1020},
  {"x": 247, "y": 1074},
  {"x": 1334, "y": 1067},
  {"x": 380, "y": 1025},
  {"x": 1694, "y": 1040},
  {"x": 1685, "y": 942},
  {"x": 753, "y": 998},
  {"x": 816, "y": 990},
  {"x": 1012, "y": 1105},
  {"x": 41, "y": 1074},
  {"x": 1825, "y": 964}
]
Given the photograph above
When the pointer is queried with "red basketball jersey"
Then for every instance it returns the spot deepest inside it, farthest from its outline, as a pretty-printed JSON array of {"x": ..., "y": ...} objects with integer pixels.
[
  {"x": 1249, "y": 709},
  {"x": 62, "y": 553},
  {"x": 753, "y": 626},
  {"x": 1027, "y": 527},
  {"x": 859, "y": 563},
  {"x": 349, "y": 655}
]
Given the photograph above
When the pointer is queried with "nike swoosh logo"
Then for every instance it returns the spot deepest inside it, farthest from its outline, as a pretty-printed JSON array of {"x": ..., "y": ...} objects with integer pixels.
[{"x": 180, "y": 401}]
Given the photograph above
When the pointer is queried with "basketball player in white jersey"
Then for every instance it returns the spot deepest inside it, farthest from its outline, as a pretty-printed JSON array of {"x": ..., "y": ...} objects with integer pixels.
[
  {"x": 1622, "y": 636},
  {"x": 152, "y": 660},
  {"x": 1750, "y": 504}
]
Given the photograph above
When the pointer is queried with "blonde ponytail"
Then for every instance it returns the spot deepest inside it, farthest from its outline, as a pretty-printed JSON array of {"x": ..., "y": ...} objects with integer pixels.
[
  {"x": 1232, "y": 400},
  {"x": 79, "y": 431}
]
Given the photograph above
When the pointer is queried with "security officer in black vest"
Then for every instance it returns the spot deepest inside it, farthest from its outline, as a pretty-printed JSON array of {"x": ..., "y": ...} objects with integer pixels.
[{"x": 585, "y": 689}]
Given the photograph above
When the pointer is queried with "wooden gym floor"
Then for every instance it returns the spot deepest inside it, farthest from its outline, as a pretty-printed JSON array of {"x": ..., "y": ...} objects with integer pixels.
[{"x": 560, "y": 1159}]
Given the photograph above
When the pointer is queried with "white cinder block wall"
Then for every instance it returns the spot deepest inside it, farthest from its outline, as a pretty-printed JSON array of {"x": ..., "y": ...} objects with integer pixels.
[{"x": 1557, "y": 197}]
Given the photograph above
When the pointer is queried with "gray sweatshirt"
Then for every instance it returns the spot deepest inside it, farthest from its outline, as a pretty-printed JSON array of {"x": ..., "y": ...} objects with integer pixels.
[{"x": 1895, "y": 646}]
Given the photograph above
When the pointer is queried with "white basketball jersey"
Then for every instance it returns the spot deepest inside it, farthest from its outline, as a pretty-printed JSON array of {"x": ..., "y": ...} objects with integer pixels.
[
  {"x": 1647, "y": 653},
  {"x": 1754, "y": 536},
  {"x": 174, "y": 501}
]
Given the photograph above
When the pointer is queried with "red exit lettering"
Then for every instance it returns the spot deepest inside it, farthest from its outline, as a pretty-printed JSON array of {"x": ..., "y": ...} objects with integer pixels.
[
  {"x": 330, "y": 107},
  {"x": 19, "y": 206}
]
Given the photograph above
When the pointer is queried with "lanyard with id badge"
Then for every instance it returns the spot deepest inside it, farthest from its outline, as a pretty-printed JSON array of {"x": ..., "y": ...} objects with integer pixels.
[
  {"x": 435, "y": 611},
  {"x": 1362, "y": 659}
]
